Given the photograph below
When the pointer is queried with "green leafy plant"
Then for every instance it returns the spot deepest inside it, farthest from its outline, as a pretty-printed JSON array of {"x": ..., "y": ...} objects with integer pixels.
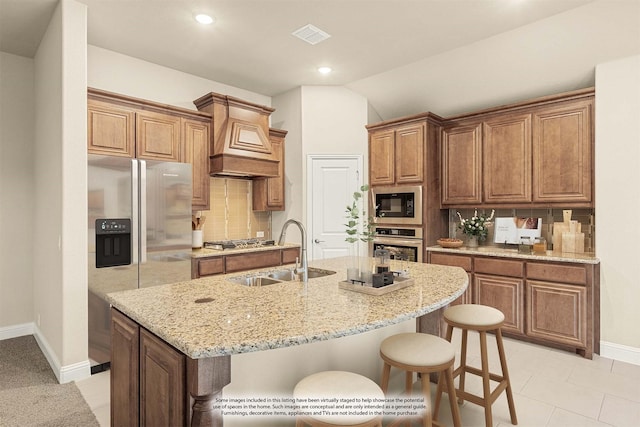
[
  {"x": 477, "y": 225},
  {"x": 359, "y": 226}
]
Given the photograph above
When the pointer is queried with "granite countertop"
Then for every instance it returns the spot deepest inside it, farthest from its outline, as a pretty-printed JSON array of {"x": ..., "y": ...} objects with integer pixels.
[
  {"x": 208, "y": 253},
  {"x": 238, "y": 319},
  {"x": 585, "y": 258}
]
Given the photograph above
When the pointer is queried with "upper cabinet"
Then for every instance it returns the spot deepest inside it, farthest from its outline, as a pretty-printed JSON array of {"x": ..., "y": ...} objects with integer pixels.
[
  {"x": 118, "y": 125},
  {"x": 396, "y": 155},
  {"x": 538, "y": 153},
  {"x": 461, "y": 164},
  {"x": 268, "y": 193},
  {"x": 563, "y": 153}
]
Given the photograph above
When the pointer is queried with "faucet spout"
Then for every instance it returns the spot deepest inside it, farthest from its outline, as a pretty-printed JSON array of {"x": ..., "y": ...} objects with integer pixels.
[{"x": 302, "y": 268}]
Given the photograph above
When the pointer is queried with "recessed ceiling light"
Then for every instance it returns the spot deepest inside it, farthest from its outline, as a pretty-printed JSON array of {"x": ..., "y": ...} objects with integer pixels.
[
  {"x": 204, "y": 19},
  {"x": 324, "y": 70}
]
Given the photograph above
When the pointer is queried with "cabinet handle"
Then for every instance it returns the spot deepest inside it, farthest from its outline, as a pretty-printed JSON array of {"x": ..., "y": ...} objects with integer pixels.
[{"x": 318, "y": 241}]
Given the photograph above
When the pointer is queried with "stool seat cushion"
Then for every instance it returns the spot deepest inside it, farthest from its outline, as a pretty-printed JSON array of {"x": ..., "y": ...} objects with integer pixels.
[
  {"x": 417, "y": 349},
  {"x": 340, "y": 384},
  {"x": 474, "y": 315}
]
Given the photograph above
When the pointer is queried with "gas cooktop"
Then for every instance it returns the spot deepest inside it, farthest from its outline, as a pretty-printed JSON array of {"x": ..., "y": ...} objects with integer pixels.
[{"x": 238, "y": 244}]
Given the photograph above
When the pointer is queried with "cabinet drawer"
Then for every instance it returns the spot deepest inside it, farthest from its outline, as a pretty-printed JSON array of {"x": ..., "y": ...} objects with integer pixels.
[
  {"x": 557, "y": 313},
  {"x": 575, "y": 274},
  {"x": 452, "y": 260},
  {"x": 253, "y": 260},
  {"x": 500, "y": 267},
  {"x": 210, "y": 266}
]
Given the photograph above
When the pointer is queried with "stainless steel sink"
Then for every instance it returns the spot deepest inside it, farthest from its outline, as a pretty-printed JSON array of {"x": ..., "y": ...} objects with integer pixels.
[{"x": 264, "y": 278}]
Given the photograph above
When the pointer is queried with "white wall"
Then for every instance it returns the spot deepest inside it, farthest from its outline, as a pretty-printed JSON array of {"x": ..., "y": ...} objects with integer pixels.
[
  {"x": 114, "y": 72},
  {"x": 60, "y": 231},
  {"x": 325, "y": 120},
  {"x": 17, "y": 110},
  {"x": 545, "y": 57},
  {"x": 618, "y": 205}
]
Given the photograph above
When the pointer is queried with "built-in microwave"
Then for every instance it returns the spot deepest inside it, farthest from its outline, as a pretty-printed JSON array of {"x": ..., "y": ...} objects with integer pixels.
[{"x": 397, "y": 204}]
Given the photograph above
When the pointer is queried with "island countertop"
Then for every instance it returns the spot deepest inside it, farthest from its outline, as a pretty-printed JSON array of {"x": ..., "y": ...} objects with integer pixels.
[{"x": 212, "y": 316}]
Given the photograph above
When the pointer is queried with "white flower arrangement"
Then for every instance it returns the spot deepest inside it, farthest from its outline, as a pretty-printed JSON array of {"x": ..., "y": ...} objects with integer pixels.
[{"x": 477, "y": 225}]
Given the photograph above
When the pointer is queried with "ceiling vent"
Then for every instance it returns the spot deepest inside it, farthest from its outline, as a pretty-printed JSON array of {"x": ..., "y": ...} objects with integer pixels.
[{"x": 311, "y": 34}]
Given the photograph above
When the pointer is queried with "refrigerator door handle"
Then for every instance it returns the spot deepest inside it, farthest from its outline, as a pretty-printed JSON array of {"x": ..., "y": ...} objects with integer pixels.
[
  {"x": 143, "y": 211},
  {"x": 135, "y": 223}
]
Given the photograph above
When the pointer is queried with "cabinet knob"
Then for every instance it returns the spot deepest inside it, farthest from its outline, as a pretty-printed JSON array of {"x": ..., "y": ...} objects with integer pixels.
[{"x": 318, "y": 241}]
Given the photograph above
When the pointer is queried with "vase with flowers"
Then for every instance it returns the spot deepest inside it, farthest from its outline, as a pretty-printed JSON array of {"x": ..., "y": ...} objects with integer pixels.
[
  {"x": 359, "y": 229},
  {"x": 476, "y": 227}
]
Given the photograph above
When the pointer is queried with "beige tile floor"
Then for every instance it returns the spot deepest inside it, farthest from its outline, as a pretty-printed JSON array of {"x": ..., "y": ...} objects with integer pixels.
[{"x": 551, "y": 388}]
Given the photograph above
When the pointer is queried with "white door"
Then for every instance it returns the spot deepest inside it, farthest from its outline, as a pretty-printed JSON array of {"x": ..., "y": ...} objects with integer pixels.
[{"x": 333, "y": 179}]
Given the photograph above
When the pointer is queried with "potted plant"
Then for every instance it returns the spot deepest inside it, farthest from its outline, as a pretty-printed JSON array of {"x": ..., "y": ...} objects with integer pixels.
[
  {"x": 476, "y": 227},
  {"x": 359, "y": 229}
]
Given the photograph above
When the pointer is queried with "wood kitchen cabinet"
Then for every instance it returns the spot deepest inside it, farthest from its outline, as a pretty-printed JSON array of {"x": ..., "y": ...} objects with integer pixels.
[
  {"x": 506, "y": 159},
  {"x": 563, "y": 153},
  {"x": 148, "y": 379},
  {"x": 120, "y": 125},
  {"x": 195, "y": 138},
  {"x": 233, "y": 263},
  {"x": 537, "y": 153},
  {"x": 268, "y": 193},
  {"x": 461, "y": 164},
  {"x": 396, "y": 155},
  {"x": 157, "y": 136},
  {"x": 546, "y": 302}
]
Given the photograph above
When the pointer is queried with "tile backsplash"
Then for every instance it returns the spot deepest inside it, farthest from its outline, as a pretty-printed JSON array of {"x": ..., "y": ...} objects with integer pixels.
[
  {"x": 586, "y": 217},
  {"x": 230, "y": 216}
]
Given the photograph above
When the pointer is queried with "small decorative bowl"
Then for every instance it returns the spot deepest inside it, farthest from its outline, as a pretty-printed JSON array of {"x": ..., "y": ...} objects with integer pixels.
[{"x": 449, "y": 243}]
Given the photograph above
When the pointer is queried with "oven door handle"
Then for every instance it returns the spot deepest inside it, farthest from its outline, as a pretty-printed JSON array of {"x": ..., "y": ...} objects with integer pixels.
[{"x": 395, "y": 241}]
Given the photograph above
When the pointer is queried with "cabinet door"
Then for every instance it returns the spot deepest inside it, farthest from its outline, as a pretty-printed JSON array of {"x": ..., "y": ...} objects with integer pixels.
[
  {"x": 157, "y": 136},
  {"x": 381, "y": 158},
  {"x": 504, "y": 293},
  {"x": 125, "y": 339},
  {"x": 162, "y": 383},
  {"x": 563, "y": 154},
  {"x": 268, "y": 193},
  {"x": 557, "y": 312},
  {"x": 409, "y": 154},
  {"x": 110, "y": 129},
  {"x": 507, "y": 159},
  {"x": 195, "y": 140},
  {"x": 461, "y": 165}
]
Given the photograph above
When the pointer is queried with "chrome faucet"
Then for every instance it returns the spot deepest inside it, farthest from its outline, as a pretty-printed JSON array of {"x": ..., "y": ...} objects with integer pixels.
[{"x": 300, "y": 270}]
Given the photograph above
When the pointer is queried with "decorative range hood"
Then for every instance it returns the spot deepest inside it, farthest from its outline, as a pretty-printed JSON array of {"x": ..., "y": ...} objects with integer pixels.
[{"x": 240, "y": 137}]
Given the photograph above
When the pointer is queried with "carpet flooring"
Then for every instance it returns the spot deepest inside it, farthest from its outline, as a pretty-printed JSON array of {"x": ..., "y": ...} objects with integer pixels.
[{"x": 30, "y": 394}]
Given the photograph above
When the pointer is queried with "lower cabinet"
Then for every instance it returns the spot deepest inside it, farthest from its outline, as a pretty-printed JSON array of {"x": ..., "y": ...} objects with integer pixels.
[
  {"x": 504, "y": 293},
  {"x": 148, "y": 377},
  {"x": 232, "y": 263},
  {"x": 547, "y": 302}
]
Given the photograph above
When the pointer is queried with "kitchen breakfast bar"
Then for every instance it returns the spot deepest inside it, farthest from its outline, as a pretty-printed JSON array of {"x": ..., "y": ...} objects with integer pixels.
[{"x": 172, "y": 345}]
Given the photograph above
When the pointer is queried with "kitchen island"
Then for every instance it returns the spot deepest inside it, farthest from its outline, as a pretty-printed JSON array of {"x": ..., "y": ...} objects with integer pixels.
[{"x": 172, "y": 344}]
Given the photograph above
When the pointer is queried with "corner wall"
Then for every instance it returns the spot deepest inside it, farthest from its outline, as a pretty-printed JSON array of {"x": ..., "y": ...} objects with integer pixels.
[
  {"x": 60, "y": 230},
  {"x": 617, "y": 186},
  {"x": 17, "y": 109}
]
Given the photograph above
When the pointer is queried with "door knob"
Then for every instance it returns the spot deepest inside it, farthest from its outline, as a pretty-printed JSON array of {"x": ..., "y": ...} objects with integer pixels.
[{"x": 318, "y": 241}]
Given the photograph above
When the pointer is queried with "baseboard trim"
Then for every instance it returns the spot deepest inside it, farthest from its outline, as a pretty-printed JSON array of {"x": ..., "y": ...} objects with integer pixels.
[
  {"x": 64, "y": 374},
  {"x": 622, "y": 353},
  {"x": 16, "y": 331}
]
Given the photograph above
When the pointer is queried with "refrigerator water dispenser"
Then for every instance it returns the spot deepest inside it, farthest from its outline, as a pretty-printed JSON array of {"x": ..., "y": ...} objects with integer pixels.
[{"x": 113, "y": 242}]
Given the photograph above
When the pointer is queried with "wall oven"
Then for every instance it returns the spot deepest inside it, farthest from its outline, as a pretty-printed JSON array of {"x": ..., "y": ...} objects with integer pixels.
[
  {"x": 397, "y": 204},
  {"x": 401, "y": 242}
]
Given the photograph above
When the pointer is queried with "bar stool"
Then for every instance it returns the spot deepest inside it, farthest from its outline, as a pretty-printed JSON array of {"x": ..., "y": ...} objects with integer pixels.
[
  {"x": 482, "y": 319},
  {"x": 336, "y": 384},
  {"x": 423, "y": 354}
]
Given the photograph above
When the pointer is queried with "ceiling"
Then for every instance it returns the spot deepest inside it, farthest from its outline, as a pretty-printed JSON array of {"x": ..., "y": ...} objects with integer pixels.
[{"x": 250, "y": 45}]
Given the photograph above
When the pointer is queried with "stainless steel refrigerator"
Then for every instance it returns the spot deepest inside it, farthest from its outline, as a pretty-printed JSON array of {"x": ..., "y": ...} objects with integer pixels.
[{"x": 139, "y": 234}]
